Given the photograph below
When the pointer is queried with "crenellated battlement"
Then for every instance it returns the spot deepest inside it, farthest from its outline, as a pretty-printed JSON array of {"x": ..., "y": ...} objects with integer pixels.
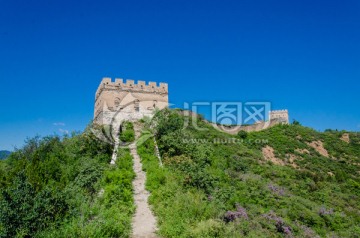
[
  {"x": 280, "y": 115},
  {"x": 131, "y": 86},
  {"x": 279, "y": 111}
]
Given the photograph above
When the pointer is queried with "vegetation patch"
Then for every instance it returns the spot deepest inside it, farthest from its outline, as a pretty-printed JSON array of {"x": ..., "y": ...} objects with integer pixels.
[
  {"x": 56, "y": 187},
  {"x": 128, "y": 133},
  {"x": 225, "y": 189}
]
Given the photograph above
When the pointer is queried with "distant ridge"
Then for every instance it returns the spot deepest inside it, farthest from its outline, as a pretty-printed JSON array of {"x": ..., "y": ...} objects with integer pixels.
[{"x": 4, "y": 154}]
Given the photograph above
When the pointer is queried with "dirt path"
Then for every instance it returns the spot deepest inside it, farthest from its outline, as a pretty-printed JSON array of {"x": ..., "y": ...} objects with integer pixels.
[{"x": 144, "y": 222}]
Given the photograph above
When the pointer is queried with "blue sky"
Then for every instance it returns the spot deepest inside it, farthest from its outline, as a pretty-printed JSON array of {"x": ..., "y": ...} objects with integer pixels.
[{"x": 299, "y": 55}]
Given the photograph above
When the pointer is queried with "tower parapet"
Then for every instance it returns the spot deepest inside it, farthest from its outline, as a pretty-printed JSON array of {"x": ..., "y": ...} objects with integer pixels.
[
  {"x": 280, "y": 115},
  {"x": 131, "y": 86}
]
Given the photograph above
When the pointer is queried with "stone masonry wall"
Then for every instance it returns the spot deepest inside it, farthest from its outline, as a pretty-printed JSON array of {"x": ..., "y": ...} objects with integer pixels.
[{"x": 130, "y": 100}]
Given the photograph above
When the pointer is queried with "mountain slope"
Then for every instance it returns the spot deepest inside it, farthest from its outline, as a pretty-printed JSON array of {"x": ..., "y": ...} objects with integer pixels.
[{"x": 287, "y": 181}]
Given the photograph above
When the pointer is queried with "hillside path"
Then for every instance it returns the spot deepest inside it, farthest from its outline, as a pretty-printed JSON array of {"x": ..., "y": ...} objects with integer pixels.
[{"x": 144, "y": 222}]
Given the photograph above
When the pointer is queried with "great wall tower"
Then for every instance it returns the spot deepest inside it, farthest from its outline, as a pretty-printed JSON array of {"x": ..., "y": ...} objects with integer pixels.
[
  {"x": 117, "y": 101},
  {"x": 121, "y": 101},
  {"x": 281, "y": 116}
]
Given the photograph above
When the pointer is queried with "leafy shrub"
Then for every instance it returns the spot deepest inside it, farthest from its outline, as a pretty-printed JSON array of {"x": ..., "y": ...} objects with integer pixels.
[
  {"x": 167, "y": 121},
  {"x": 51, "y": 188},
  {"x": 25, "y": 212},
  {"x": 242, "y": 134},
  {"x": 128, "y": 133}
]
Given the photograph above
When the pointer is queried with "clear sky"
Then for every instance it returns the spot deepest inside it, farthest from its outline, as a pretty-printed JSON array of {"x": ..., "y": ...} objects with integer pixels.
[{"x": 299, "y": 55}]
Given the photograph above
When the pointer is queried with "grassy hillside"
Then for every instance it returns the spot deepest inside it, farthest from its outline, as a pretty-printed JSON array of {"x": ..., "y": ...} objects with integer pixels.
[
  {"x": 66, "y": 188},
  {"x": 286, "y": 181}
]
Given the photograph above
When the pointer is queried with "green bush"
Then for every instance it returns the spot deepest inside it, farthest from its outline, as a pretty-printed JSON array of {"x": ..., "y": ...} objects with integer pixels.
[
  {"x": 242, "y": 134},
  {"x": 167, "y": 121},
  {"x": 52, "y": 188},
  {"x": 128, "y": 133}
]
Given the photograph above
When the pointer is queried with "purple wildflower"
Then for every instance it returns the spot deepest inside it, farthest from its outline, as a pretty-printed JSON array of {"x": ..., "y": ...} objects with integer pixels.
[
  {"x": 276, "y": 189},
  {"x": 240, "y": 212},
  {"x": 279, "y": 223}
]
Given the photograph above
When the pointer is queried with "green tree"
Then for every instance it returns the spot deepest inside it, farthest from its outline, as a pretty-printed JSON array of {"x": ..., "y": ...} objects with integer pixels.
[
  {"x": 295, "y": 122},
  {"x": 242, "y": 134}
]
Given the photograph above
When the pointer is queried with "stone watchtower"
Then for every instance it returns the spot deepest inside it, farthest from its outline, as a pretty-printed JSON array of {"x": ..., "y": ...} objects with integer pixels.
[
  {"x": 281, "y": 116},
  {"x": 119, "y": 101}
]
